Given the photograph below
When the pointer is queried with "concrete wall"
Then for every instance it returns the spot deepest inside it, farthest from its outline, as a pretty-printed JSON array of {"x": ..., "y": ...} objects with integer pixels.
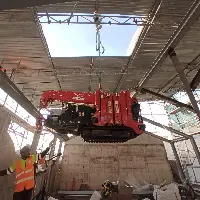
[
  {"x": 91, "y": 163},
  {"x": 7, "y": 157}
]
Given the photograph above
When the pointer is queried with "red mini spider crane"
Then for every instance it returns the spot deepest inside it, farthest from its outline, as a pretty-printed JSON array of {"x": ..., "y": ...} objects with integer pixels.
[{"x": 96, "y": 117}]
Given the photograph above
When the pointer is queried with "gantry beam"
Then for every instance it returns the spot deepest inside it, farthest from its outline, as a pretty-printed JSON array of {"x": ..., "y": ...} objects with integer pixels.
[
  {"x": 139, "y": 43},
  {"x": 189, "y": 19},
  {"x": 13, "y": 91},
  {"x": 18, "y": 4},
  {"x": 168, "y": 99}
]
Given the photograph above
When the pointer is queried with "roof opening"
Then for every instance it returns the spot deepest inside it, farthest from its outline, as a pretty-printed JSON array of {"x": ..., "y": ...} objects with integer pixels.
[{"x": 78, "y": 38}]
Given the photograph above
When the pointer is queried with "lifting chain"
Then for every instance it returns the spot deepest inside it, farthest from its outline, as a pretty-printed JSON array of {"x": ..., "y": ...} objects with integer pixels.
[{"x": 99, "y": 45}]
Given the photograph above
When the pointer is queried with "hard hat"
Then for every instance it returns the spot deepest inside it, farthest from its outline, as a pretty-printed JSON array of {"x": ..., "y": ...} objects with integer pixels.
[{"x": 25, "y": 148}]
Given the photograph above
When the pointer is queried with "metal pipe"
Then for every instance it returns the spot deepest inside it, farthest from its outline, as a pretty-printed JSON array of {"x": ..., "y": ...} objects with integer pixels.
[
  {"x": 166, "y": 127},
  {"x": 179, "y": 139},
  {"x": 139, "y": 43},
  {"x": 168, "y": 99},
  {"x": 178, "y": 163},
  {"x": 195, "y": 148},
  {"x": 175, "y": 38},
  {"x": 157, "y": 136},
  {"x": 184, "y": 80}
]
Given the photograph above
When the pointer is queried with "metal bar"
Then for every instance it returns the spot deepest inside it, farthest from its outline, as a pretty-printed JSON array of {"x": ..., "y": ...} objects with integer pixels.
[
  {"x": 166, "y": 127},
  {"x": 178, "y": 163},
  {"x": 139, "y": 43},
  {"x": 13, "y": 4},
  {"x": 184, "y": 80},
  {"x": 157, "y": 136},
  {"x": 13, "y": 91},
  {"x": 189, "y": 19},
  {"x": 168, "y": 99},
  {"x": 179, "y": 139},
  {"x": 195, "y": 148},
  {"x": 195, "y": 82}
]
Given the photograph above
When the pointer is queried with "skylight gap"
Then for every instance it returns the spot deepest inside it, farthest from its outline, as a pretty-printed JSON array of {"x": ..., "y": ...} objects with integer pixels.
[{"x": 76, "y": 36}]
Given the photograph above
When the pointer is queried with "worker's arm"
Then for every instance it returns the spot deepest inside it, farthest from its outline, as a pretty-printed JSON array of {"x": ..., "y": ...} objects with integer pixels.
[
  {"x": 37, "y": 157},
  {"x": 8, "y": 171}
]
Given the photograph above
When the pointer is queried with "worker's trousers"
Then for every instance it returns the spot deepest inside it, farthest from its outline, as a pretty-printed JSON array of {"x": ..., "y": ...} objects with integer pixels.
[{"x": 24, "y": 195}]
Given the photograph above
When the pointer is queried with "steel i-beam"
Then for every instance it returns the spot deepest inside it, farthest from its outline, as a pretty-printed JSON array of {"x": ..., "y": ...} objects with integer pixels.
[
  {"x": 13, "y": 91},
  {"x": 184, "y": 80},
  {"x": 178, "y": 163}
]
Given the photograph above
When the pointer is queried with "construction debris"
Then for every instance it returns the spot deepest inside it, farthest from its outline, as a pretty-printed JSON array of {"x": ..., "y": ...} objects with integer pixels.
[{"x": 167, "y": 192}]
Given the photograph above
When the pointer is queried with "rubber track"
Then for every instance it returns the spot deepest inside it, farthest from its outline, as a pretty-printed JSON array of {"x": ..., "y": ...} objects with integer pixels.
[{"x": 90, "y": 139}]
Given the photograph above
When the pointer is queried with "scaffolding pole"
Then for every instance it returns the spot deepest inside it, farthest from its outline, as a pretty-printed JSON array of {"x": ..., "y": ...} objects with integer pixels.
[
  {"x": 196, "y": 149},
  {"x": 178, "y": 163}
]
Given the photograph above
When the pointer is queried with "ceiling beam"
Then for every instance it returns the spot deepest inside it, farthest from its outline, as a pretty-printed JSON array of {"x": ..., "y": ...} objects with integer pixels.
[
  {"x": 168, "y": 99},
  {"x": 139, "y": 43},
  {"x": 13, "y": 91},
  {"x": 185, "y": 25},
  {"x": 166, "y": 127},
  {"x": 18, "y": 4}
]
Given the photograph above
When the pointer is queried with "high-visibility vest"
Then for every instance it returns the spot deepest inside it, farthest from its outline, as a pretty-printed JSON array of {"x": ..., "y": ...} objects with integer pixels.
[
  {"x": 2, "y": 69},
  {"x": 24, "y": 175}
]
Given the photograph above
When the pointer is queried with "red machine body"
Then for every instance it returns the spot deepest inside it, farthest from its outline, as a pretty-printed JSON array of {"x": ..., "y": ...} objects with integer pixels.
[{"x": 113, "y": 113}]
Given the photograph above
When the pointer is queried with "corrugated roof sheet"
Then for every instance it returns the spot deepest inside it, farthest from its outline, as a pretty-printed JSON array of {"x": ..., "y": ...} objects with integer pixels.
[
  {"x": 21, "y": 45},
  {"x": 141, "y": 7}
]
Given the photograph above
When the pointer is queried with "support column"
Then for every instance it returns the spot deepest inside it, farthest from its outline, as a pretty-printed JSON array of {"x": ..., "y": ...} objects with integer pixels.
[
  {"x": 59, "y": 151},
  {"x": 195, "y": 147},
  {"x": 184, "y": 80},
  {"x": 35, "y": 142},
  {"x": 178, "y": 163},
  {"x": 50, "y": 167},
  {"x": 56, "y": 173}
]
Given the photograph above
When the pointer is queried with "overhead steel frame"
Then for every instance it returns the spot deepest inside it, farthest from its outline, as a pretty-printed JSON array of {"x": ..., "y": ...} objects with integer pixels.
[
  {"x": 189, "y": 19},
  {"x": 49, "y": 18},
  {"x": 142, "y": 36}
]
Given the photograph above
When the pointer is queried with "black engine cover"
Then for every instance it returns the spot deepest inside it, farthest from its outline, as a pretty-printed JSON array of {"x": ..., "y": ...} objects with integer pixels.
[{"x": 72, "y": 118}]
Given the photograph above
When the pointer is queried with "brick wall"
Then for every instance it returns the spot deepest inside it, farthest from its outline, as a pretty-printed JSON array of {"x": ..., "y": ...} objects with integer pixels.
[{"x": 91, "y": 164}]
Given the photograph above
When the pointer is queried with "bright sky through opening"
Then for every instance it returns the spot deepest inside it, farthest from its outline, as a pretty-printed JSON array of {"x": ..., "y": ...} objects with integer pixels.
[{"x": 77, "y": 40}]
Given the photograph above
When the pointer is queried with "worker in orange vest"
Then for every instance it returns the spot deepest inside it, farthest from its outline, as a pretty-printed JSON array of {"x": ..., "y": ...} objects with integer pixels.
[
  {"x": 25, "y": 173},
  {"x": 3, "y": 69}
]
